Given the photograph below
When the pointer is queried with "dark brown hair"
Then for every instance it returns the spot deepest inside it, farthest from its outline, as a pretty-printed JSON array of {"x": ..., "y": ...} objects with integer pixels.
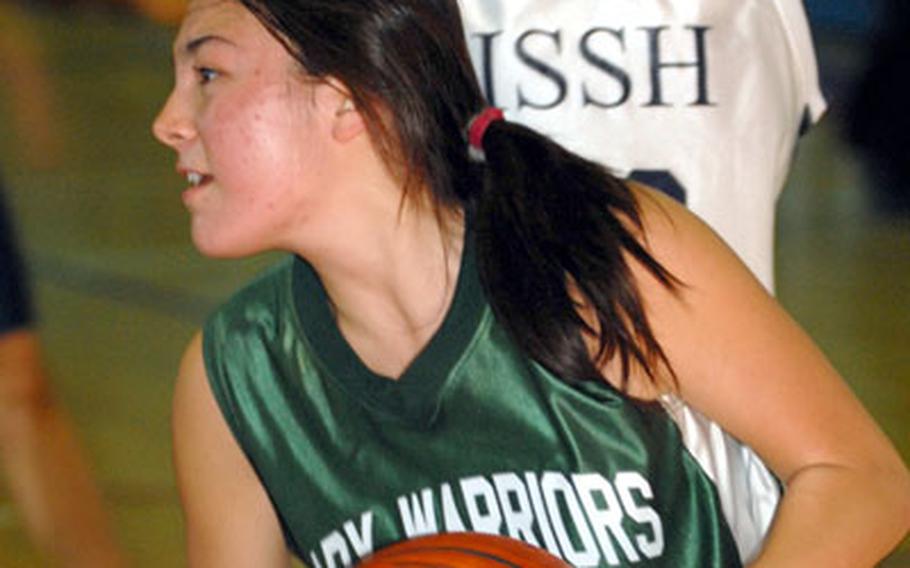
[{"x": 543, "y": 217}]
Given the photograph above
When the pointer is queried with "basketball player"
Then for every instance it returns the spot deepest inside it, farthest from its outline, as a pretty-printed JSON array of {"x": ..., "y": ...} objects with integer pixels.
[
  {"x": 44, "y": 468},
  {"x": 453, "y": 345},
  {"x": 40, "y": 457},
  {"x": 703, "y": 100}
]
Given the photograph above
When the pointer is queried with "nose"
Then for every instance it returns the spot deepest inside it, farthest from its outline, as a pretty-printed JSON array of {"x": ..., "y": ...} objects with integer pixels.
[{"x": 174, "y": 126}]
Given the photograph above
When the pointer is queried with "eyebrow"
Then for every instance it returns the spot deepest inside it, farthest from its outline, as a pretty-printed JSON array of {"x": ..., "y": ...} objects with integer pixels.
[{"x": 195, "y": 44}]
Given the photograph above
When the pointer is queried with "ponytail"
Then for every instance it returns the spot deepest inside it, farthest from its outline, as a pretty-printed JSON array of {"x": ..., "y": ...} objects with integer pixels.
[{"x": 551, "y": 241}]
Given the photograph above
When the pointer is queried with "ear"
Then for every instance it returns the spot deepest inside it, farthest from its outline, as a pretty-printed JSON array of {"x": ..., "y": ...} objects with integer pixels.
[{"x": 347, "y": 122}]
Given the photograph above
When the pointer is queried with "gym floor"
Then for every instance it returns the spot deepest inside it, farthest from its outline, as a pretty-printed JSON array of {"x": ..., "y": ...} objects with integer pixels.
[{"x": 120, "y": 289}]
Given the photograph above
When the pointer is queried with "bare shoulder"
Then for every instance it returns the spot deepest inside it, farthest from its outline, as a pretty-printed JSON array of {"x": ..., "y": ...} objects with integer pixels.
[
  {"x": 702, "y": 267},
  {"x": 194, "y": 405},
  {"x": 678, "y": 238},
  {"x": 242, "y": 530},
  {"x": 713, "y": 283},
  {"x": 192, "y": 368}
]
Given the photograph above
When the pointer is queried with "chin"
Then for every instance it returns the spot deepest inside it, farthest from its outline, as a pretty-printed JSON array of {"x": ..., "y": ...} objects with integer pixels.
[{"x": 212, "y": 246}]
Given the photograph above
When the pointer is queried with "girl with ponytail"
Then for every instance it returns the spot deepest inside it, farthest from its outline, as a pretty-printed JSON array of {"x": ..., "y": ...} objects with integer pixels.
[{"x": 474, "y": 326}]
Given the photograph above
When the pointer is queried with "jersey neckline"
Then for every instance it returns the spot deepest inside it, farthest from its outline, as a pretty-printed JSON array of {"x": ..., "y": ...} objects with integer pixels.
[{"x": 415, "y": 394}]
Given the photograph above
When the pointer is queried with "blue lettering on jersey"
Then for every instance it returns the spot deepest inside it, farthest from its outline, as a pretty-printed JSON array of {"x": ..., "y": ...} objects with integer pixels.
[{"x": 541, "y": 51}]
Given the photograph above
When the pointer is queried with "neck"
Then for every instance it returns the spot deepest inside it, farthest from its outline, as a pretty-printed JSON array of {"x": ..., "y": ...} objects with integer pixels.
[{"x": 392, "y": 282}]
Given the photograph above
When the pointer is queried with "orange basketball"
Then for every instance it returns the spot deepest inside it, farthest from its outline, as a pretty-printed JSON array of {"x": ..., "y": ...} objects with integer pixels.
[{"x": 462, "y": 550}]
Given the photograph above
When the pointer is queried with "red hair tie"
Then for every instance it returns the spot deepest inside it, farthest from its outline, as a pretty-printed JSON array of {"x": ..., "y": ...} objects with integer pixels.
[{"x": 479, "y": 124}]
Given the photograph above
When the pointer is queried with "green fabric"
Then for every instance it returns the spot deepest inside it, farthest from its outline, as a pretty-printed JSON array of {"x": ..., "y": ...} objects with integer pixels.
[{"x": 473, "y": 436}]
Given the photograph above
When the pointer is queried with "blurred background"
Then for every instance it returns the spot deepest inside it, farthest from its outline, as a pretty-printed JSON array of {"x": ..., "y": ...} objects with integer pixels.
[{"x": 119, "y": 288}]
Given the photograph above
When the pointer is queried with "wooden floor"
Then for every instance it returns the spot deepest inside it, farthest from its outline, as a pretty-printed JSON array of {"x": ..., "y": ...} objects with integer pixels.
[{"x": 120, "y": 289}]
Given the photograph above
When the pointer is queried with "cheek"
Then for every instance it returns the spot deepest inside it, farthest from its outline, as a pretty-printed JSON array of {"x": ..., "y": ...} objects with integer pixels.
[
  {"x": 270, "y": 128},
  {"x": 250, "y": 149},
  {"x": 267, "y": 167}
]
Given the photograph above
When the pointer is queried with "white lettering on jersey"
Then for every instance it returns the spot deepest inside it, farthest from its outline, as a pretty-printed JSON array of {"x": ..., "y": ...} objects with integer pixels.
[
  {"x": 515, "y": 507},
  {"x": 418, "y": 514},
  {"x": 583, "y": 518},
  {"x": 362, "y": 540},
  {"x": 540, "y": 512},
  {"x": 334, "y": 547},
  {"x": 480, "y": 500},
  {"x": 559, "y": 495},
  {"x": 626, "y": 483},
  {"x": 450, "y": 516},
  {"x": 605, "y": 513}
]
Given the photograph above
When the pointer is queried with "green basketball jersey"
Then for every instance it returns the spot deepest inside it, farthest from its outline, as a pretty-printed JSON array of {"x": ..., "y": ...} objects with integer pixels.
[{"x": 474, "y": 436}]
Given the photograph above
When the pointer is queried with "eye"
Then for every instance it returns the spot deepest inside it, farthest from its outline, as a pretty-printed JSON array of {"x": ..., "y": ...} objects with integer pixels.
[{"x": 206, "y": 74}]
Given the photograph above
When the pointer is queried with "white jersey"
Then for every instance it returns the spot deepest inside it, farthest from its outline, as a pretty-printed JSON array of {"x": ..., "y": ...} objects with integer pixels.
[{"x": 702, "y": 98}]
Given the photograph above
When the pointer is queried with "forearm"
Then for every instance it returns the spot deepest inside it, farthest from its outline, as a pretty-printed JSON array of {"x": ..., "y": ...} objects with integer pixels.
[
  {"x": 42, "y": 462},
  {"x": 27, "y": 86},
  {"x": 53, "y": 489},
  {"x": 836, "y": 516}
]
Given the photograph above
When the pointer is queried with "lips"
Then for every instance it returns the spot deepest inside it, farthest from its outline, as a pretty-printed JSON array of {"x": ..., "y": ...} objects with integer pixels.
[{"x": 196, "y": 179}]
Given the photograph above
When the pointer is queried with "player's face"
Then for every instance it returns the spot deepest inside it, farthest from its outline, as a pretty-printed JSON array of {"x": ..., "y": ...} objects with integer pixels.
[{"x": 243, "y": 120}]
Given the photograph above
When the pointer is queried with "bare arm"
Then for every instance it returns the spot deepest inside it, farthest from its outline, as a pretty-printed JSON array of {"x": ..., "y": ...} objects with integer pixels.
[
  {"x": 48, "y": 476},
  {"x": 229, "y": 518},
  {"x": 741, "y": 360},
  {"x": 28, "y": 87}
]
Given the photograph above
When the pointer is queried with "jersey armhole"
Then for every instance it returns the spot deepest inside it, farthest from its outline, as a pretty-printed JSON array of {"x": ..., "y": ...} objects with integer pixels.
[
  {"x": 795, "y": 24},
  {"x": 221, "y": 390},
  {"x": 219, "y": 384}
]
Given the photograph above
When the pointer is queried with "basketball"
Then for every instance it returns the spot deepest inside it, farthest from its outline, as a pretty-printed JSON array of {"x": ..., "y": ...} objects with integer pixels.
[{"x": 462, "y": 550}]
